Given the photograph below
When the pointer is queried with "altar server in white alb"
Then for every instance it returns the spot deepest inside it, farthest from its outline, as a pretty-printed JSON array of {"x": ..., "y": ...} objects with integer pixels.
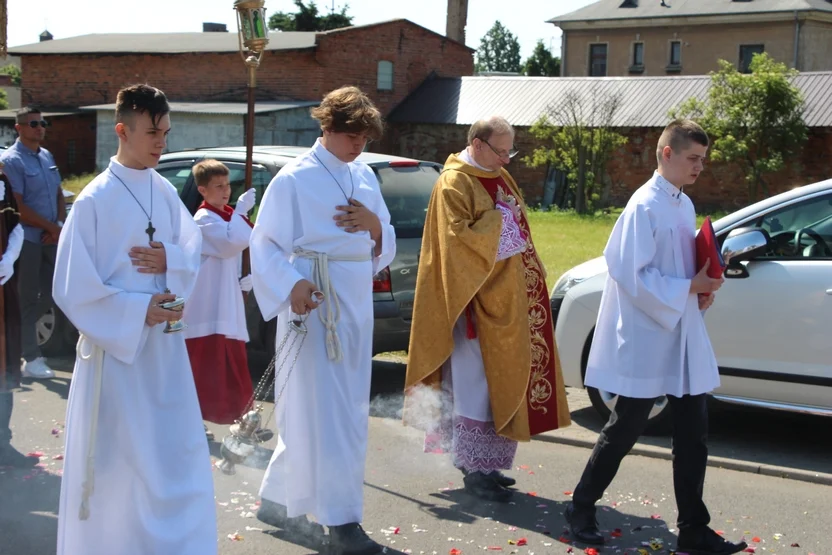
[
  {"x": 323, "y": 226},
  {"x": 137, "y": 476},
  {"x": 216, "y": 335},
  {"x": 650, "y": 340}
]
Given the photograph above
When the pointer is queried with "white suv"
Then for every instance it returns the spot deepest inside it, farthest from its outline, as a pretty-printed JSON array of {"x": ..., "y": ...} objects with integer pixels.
[{"x": 771, "y": 324}]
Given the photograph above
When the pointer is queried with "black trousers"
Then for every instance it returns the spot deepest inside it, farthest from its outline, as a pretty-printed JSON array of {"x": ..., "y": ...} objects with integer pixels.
[{"x": 690, "y": 454}]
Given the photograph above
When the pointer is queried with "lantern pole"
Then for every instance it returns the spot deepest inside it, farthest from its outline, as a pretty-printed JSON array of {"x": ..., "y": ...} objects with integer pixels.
[{"x": 253, "y": 38}]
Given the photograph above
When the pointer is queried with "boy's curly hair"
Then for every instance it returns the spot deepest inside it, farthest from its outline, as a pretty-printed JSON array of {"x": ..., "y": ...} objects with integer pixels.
[{"x": 348, "y": 110}]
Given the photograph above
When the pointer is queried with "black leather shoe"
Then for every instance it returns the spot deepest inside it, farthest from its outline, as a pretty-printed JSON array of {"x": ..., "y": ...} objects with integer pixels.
[
  {"x": 583, "y": 526},
  {"x": 486, "y": 487},
  {"x": 9, "y": 456},
  {"x": 704, "y": 541},
  {"x": 351, "y": 539},
  {"x": 274, "y": 514},
  {"x": 501, "y": 478}
]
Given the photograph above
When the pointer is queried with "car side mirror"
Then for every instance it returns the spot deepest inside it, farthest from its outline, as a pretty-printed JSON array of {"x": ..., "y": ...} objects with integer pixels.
[{"x": 744, "y": 243}]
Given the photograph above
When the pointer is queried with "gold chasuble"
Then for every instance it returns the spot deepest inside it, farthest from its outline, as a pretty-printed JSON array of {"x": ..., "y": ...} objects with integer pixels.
[{"x": 459, "y": 272}]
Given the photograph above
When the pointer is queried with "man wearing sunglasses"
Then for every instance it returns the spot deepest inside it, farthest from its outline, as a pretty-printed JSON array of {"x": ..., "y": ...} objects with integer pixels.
[
  {"x": 482, "y": 344},
  {"x": 36, "y": 184}
]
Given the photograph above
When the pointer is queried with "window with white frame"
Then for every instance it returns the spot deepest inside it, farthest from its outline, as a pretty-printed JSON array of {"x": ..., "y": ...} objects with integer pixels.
[{"x": 385, "y": 75}]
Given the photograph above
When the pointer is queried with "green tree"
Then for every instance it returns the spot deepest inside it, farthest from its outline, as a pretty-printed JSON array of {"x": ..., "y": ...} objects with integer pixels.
[
  {"x": 754, "y": 120},
  {"x": 14, "y": 71},
  {"x": 307, "y": 18},
  {"x": 542, "y": 63},
  {"x": 4, "y": 100},
  {"x": 577, "y": 138},
  {"x": 499, "y": 51}
]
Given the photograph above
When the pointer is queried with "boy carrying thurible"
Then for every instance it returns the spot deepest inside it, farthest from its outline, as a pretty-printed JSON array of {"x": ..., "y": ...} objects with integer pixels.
[{"x": 216, "y": 335}]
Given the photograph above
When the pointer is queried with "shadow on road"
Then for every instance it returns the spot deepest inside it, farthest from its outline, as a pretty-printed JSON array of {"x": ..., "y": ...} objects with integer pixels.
[
  {"x": 760, "y": 436},
  {"x": 529, "y": 514},
  {"x": 28, "y": 513}
]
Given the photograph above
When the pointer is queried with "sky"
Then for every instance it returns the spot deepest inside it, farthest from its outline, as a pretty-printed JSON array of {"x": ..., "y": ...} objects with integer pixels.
[{"x": 69, "y": 18}]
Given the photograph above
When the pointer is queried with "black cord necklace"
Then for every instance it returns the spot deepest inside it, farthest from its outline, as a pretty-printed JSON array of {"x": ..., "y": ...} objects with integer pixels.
[
  {"x": 352, "y": 191},
  {"x": 150, "y": 229}
]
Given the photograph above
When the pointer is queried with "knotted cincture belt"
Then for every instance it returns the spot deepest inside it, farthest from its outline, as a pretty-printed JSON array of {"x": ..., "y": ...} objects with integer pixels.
[
  {"x": 329, "y": 318},
  {"x": 97, "y": 353}
]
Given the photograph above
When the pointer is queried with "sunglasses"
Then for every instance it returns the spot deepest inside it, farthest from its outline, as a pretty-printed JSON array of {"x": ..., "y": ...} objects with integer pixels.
[{"x": 34, "y": 124}]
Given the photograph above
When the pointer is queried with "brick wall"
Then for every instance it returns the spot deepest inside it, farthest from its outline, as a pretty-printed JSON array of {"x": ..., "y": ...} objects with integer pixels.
[
  {"x": 347, "y": 57},
  {"x": 720, "y": 187},
  {"x": 71, "y": 140}
]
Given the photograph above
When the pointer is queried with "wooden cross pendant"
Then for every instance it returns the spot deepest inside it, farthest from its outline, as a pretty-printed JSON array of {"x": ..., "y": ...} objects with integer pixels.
[{"x": 150, "y": 230}]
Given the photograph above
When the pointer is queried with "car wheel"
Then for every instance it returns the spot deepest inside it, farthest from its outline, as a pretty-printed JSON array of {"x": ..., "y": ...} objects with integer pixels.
[
  {"x": 658, "y": 423},
  {"x": 55, "y": 334}
]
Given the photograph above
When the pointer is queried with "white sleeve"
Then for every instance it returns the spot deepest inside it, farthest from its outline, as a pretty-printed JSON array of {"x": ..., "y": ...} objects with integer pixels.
[
  {"x": 628, "y": 253},
  {"x": 222, "y": 239},
  {"x": 388, "y": 233},
  {"x": 272, "y": 243},
  {"x": 184, "y": 252},
  {"x": 110, "y": 317},
  {"x": 14, "y": 244}
]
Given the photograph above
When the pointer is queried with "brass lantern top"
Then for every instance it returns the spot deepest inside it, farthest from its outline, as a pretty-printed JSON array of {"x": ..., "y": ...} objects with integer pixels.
[{"x": 251, "y": 25}]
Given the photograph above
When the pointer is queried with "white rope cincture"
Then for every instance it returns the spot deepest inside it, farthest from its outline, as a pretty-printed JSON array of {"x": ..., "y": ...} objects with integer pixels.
[
  {"x": 330, "y": 317},
  {"x": 89, "y": 479}
]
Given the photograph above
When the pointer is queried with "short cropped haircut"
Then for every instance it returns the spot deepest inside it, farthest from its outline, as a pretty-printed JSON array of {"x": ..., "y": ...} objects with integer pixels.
[
  {"x": 484, "y": 129},
  {"x": 348, "y": 110},
  {"x": 679, "y": 135},
  {"x": 139, "y": 99},
  {"x": 24, "y": 112},
  {"x": 206, "y": 170}
]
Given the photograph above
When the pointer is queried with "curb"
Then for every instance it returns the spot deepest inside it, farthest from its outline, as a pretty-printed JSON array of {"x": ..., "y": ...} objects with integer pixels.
[{"x": 715, "y": 462}]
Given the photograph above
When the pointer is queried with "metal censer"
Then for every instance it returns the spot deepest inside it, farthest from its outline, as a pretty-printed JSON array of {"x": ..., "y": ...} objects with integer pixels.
[
  {"x": 176, "y": 305},
  {"x": 245, "y": 434}
]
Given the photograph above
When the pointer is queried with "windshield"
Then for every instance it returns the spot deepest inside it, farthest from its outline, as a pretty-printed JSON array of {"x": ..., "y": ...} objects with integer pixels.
[{"x": 406, "y": 191}]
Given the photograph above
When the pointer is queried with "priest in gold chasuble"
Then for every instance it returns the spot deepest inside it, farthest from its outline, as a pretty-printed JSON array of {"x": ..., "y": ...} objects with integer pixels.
[{"x": 483, "y": 369}]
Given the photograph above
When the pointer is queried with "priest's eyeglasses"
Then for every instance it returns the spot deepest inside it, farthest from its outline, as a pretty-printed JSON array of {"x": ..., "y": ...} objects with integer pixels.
[{"x": 510, "y": 154}]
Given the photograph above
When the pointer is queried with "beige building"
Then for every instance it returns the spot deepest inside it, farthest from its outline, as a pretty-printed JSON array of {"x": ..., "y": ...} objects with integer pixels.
[{"x": 687, "y": 37}]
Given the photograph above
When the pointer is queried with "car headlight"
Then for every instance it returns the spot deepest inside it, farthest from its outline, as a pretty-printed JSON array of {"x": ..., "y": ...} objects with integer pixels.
[
  {"x": 578, "y": 274},
  {"x": 567, "y": 282}
]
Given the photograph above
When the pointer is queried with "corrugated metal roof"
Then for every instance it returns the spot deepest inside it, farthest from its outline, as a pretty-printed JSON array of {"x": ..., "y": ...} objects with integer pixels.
[
  {"x": 645, "y": 101},
  {"x": 233, "y": 108},
  {"x": 160, "y": 43},
  {"x": 612, "y": 10}
]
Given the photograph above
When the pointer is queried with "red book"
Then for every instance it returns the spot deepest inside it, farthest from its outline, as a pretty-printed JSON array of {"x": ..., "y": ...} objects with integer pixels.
[{"x": 707, "y": 248}]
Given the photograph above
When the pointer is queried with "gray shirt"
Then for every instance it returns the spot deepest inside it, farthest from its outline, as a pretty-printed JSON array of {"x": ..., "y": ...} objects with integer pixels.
[{"x": 35, "y": 177}]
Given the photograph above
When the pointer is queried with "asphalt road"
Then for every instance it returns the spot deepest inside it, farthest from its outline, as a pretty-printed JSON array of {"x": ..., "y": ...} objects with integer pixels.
[{"x": 414, "y": 504}]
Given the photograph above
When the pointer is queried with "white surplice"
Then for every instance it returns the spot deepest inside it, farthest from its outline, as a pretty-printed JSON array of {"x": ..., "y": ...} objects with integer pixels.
[
  {"x": 218, "y": 306},
  {"x": 465, "y": 366},
  {"x": 650, "y": 336},
  {"x": 318, "y": 465},
  {"x": 153, "y": 486}
]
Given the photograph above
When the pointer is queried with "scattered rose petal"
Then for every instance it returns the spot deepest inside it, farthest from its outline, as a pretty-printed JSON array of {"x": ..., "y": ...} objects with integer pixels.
[
  {"x": 533, "y": 493},
  {"x": 396, "y": 531},
  {"x": 235, "y": 537},
  {"x": 522, "y": 541},
  {"x": 750, "y": 550},
  {"x": 756, "y": 539},
  {"x": 37, "y": 454},
  {"x": 616, "y": 533},
  {"x": 591, "y": 551},
  {"x": 494, "y": 548},
  {"x": 795, "y": 544},
  {"x": 455, "y": 551},
  {"x": 655, "y": 517},
  {"x": 567, "y": 492},
  {"x": 58, "y": 458}
]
